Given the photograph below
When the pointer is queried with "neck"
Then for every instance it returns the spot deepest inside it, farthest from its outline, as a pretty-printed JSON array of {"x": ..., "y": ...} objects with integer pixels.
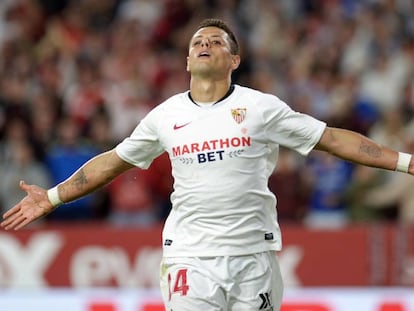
[{"x": 208, "y": 91}]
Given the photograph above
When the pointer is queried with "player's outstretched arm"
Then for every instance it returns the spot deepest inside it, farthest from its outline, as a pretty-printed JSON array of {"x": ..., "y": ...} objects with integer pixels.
[
  {"x": 39, "y": 202},
  {"x": 354, "y": 147}
]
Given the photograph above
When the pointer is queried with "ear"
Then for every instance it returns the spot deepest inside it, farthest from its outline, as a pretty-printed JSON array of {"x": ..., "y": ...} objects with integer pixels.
[
  {"x": 188, "y": 67},
  {"x": 235, "y": 61}
]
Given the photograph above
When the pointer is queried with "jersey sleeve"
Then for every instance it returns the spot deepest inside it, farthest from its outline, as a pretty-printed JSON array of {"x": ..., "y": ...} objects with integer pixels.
[
  {"x": 289, "y": 128},
  {"x": 143, "y": 145}
]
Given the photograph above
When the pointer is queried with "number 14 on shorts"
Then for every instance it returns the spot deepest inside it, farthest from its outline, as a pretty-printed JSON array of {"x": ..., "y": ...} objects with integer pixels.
[{"x": 179, "y": 285}]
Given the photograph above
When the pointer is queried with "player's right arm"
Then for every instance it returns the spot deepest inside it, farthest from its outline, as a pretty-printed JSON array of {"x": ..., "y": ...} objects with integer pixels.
[{"x": 91, "y": 176}]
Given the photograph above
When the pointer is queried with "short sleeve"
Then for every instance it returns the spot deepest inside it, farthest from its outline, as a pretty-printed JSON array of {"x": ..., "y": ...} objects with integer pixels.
[
  {"x": 288, "y": 128},
  {"x": 143, "y": 145}
]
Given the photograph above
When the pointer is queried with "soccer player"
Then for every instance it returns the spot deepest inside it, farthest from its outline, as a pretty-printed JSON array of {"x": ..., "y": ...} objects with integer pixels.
[{"x": 220, "y": 238}]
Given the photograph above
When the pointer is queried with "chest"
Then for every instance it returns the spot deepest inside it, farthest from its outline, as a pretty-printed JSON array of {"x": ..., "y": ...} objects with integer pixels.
[{"x": 209, "y": 134}]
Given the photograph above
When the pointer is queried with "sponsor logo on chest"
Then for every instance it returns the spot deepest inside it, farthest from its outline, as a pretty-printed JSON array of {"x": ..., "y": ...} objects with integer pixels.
[{"x": 217, "y": 149}]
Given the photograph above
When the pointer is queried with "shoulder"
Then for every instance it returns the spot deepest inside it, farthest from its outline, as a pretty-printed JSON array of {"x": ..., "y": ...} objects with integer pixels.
[
  {"x": 170, "y": 104},
  {"x": 261, "y": 100},
  {"x": 176, "y": 99},
  {"x": 166, "y": 109},
  {"x": 244, "y": 90},
  {"x": 257, "y": 94}
]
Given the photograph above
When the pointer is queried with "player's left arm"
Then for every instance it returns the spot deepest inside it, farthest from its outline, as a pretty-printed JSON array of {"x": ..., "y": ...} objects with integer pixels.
[{"x": 357, "y": 148}]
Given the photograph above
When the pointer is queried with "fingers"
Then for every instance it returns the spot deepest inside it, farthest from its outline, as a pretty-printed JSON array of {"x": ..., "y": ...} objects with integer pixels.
[
  {"x": 13, "y": 218},
  {"x": 19, "y": 223},
  {"x": 31, "y": 207},
  {"x": 11, "y": 211},
  {"x": 16, "y": 218},
  {"x": 12, "y": 223}
]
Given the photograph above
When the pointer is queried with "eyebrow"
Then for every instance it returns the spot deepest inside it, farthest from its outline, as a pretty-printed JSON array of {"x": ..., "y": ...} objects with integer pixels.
[{"x": 213, "y": 36}]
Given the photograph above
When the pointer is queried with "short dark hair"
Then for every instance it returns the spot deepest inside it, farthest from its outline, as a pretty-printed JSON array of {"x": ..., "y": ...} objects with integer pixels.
[{"x": 214, "y": 22}]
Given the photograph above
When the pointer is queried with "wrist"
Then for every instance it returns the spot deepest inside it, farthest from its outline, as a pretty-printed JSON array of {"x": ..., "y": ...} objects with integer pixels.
[
  {"x": 403, "y": 162},
  {"x": 53, "y": 196}
]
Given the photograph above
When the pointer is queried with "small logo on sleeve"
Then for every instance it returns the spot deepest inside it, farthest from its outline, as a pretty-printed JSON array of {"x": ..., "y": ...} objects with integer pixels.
[
  {"x": 268, "y": 236},
  {"x": 167, "y": 242}
]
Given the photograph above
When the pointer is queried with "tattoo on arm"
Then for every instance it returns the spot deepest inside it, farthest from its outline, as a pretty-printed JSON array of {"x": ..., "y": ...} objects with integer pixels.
[
  {"x": 80, "y": 180},
  {"x": 370, "y": 149}
]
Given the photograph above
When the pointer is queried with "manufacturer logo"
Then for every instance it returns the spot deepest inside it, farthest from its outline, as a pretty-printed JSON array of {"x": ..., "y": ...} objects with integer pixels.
[
  {"x": 238, "y": 114},
  {"x": 177, "y": 127},
  {"x": 266, "y": 303}
]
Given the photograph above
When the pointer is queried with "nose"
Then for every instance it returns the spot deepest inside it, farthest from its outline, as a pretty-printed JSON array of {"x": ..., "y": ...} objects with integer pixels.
[{"x": 205, "y": 43}]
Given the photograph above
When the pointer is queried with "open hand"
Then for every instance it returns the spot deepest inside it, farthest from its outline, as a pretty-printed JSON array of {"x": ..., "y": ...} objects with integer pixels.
[{"x": 33, "y": 206}]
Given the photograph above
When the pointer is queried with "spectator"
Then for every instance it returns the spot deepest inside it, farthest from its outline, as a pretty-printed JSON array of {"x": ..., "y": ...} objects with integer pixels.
[
  {"x": 98, "y": 131},
  {"x": 142, "y": 197},
  {"x": 84, "y": 98},
  {"x": 291, "y": 191},
  {"x": 132, "y": 200},
  {"x": 16, "y": 129},
  {"x": 66, "y": 153},
  {"x": 396, "y": 194},
  {"x": 22, "y": 164},
  {"x": 328, "y": 178}
]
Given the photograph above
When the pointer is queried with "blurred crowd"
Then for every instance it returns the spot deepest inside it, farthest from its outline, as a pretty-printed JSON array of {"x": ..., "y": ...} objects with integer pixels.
[{"x": 76, "y": 76}]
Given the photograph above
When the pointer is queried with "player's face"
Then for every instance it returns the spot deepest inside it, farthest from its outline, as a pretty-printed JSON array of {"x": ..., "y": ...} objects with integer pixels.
[{"x": 209, "y": 53}]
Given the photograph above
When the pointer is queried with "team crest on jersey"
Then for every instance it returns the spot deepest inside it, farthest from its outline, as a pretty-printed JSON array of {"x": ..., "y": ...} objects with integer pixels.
[{"x": 238, "y": 114}]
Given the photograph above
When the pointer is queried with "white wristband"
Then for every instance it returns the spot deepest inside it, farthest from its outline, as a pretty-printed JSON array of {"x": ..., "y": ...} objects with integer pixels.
[
  {"x": 53, "y": 196},
  {"x": 403, "y": 163}
]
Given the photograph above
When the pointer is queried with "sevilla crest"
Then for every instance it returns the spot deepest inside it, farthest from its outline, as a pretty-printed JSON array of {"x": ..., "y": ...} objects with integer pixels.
[{"x": 238, "y": 114}]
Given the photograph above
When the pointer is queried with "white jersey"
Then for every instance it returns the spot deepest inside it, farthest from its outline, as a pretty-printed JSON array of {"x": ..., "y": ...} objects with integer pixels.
[{"x": 221, "y": 156}]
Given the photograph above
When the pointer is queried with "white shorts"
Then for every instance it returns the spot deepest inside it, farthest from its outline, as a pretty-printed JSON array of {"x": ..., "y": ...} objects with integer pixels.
[{"x": 239, "y": 283}]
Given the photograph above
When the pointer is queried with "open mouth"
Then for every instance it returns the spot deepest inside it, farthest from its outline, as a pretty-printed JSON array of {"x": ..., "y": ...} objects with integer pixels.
[{"x": 204, "y": 54}]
